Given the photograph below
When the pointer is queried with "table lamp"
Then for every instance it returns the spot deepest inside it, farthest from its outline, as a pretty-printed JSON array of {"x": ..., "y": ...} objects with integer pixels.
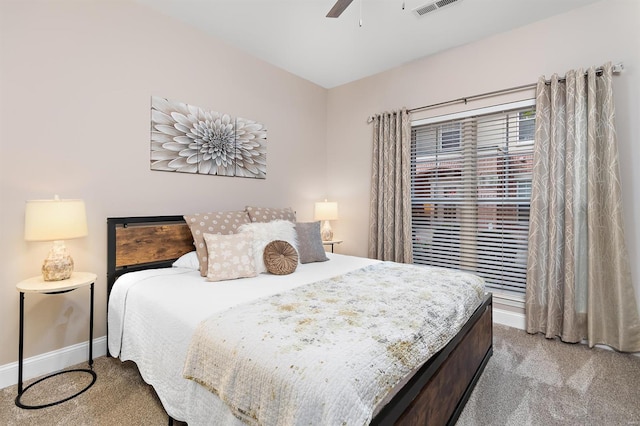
[
  {"x": 326, "y": 211},
  {"x": 55, "y": 220}
]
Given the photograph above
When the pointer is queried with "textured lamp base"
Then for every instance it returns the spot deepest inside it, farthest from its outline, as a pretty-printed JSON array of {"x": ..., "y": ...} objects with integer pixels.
[
  {"x": 326, "y": 233},
  {"x": 58, "y": 265}
]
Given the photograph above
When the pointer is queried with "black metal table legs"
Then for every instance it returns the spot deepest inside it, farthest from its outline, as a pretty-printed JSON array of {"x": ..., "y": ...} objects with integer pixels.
[{"x": 89, "y": 370}]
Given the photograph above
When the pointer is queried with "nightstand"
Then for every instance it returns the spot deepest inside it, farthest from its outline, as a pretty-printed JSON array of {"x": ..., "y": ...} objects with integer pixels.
[
  {"x": 39, "y": 285},
  {"x": 331, "y": 243}
]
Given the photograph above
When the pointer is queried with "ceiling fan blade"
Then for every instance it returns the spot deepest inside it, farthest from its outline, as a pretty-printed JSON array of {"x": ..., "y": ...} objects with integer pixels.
[{"x": 338, "y": 8}]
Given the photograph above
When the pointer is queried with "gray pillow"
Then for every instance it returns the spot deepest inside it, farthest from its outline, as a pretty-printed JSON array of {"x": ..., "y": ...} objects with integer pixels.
[{"x": 310, "y": 245}]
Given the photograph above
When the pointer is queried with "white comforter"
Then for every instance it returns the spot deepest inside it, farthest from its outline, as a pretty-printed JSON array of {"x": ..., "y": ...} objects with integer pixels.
[
  {"x": 327, "y": 353},
  {"x": 152, "y": 317}
]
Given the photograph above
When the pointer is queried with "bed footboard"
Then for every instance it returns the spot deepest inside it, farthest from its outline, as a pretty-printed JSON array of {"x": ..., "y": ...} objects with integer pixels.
[{"x": 437, "y": 394}]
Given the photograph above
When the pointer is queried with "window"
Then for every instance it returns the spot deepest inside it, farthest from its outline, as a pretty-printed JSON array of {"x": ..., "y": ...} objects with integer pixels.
[
  {"x": 526, "y": 125},
  {"x": 471, "y": 192},
  {"x": 450, "y": 136}
]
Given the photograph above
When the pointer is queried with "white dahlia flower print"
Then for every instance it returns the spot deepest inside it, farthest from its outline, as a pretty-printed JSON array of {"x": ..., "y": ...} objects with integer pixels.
[{"x": 189, "y": 139}]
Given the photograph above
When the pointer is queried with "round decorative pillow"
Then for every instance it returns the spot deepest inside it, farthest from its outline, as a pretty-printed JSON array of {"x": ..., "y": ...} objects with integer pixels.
[{"x": 280, "y": 257}]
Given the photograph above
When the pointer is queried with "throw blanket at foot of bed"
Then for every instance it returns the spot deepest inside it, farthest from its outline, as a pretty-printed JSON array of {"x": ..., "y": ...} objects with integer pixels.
[{"x": 331, "y": 351}]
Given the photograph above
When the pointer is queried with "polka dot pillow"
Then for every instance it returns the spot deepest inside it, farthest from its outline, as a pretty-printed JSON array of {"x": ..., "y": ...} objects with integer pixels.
[
  {"x": 268, "y": 214},
  {"x": 222, "y": 223}
]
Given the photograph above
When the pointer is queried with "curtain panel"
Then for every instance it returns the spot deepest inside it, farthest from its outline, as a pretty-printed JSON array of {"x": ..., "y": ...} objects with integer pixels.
[
  {"x": 578, "y": 273},
  {"x": 390, "y": 206}
]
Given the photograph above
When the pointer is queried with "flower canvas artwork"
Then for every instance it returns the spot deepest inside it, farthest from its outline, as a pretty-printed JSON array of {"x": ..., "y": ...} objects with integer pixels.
[{"x": 189, "y": 139}]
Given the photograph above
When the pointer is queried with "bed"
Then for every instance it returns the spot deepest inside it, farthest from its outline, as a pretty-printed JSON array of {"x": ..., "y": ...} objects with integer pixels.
[{"x": 141, "y": 253}]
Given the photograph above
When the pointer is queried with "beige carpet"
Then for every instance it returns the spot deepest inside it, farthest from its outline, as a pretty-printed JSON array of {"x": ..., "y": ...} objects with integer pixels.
[
  {"x": 531, "y": 380},
  {"x": 118, "y": 397},
  {"x": 528, "y": 381}
]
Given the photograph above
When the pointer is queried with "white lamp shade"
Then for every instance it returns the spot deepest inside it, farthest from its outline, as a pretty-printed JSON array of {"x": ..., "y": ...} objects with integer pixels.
[
  {"x": 51, "y": 220},
  {"x": 326, "y": 210}
]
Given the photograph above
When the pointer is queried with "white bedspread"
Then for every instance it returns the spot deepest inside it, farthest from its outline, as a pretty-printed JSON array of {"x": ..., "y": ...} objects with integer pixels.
[
  {"x": 152, "y": 317},
  {"x": 329, "y": 352}
]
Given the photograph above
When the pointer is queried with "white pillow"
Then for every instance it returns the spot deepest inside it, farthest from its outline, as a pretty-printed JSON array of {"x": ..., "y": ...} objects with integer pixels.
[
  {"x": 264, "y": 233},
  {"x": 230, "y": 256},
  {"x": 188, "y": 260}
]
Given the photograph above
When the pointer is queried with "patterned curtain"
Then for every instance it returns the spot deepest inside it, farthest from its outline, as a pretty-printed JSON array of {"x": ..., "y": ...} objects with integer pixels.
[
  {"x": 390, "y": 212},
  {"x": 578, "y": 278}
]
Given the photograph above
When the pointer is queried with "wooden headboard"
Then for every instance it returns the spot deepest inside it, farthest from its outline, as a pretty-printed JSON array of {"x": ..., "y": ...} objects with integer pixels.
[{"x": 144, "y": 242}]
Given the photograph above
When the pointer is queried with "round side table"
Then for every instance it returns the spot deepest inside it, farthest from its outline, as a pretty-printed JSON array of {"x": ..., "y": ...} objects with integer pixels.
[
  {"x": 331, "y": 243},
  {"x": 39, "y": 285}
]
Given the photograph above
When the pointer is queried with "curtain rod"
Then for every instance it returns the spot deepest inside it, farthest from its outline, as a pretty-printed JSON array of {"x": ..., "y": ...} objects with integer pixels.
[{"x": 617, "y": 68}]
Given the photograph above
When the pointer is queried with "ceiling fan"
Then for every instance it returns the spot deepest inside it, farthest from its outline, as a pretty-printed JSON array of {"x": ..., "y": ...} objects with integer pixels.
[{"x": 338, "y": 8}]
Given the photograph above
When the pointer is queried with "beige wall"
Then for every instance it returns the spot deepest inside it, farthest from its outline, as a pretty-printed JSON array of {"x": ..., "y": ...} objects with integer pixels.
[
  {"x": 76, "y": 79},
  {"x": 605, "y": 31}
]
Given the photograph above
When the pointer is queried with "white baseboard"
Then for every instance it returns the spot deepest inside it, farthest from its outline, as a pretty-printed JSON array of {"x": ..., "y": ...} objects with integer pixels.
[
  {"x": 509, "y": 318},
  {"x": 51, "y": 361}
]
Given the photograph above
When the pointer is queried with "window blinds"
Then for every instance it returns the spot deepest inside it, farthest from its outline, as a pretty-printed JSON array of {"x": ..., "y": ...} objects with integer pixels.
[{"x": 471, "y": 193}]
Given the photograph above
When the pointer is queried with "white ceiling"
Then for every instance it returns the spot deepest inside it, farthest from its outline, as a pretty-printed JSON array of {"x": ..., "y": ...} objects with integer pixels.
[{"x": 295, "y": 34}]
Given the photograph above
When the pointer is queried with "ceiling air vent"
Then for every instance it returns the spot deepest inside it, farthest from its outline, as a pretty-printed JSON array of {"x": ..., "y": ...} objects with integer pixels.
[{"x": 432, "y": 7}]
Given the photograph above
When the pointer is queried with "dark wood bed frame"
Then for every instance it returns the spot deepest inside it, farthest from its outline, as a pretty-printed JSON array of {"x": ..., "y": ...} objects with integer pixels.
[{"x": 435, "y": 395}]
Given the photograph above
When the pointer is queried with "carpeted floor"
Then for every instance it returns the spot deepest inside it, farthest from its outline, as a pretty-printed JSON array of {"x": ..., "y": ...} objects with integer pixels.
[
  {"x": 529, "y": 381},
  {"x": 118, "y": 397}
]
